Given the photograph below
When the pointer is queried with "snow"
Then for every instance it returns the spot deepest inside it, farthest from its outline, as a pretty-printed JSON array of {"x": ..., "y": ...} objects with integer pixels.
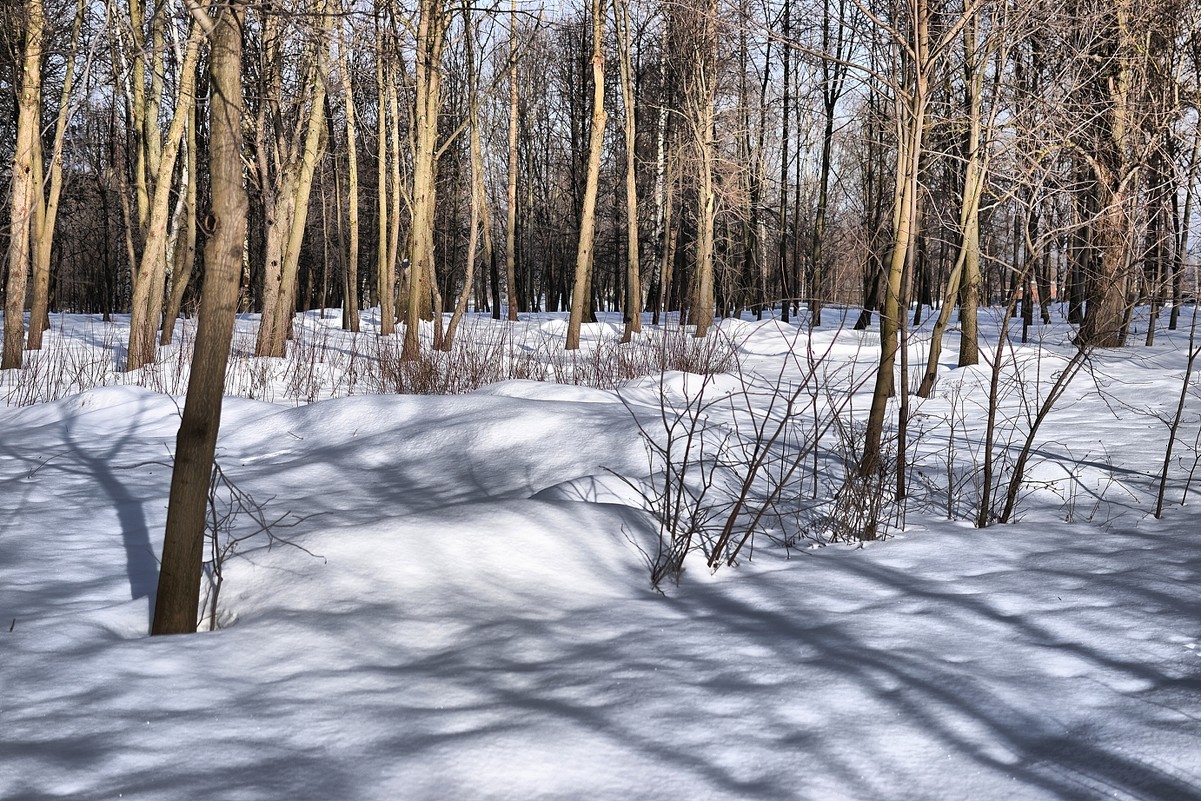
[{"x": 468, "y": 613}]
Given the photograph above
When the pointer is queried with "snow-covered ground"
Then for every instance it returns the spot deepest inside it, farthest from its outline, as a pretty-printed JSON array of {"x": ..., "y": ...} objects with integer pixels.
[{"x": 462, "y": 607}]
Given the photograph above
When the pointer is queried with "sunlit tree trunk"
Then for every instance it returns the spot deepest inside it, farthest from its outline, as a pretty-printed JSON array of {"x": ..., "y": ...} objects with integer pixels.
[
  {"x": 911, "y": 102},
  {"x": 24, "y": 191},
  {"x": 967, "y": 262},
  {"x": 285, "y": 237},
  {"x": 350, "y": 297},
  {"x": 633, "y": 302},
  {"x": 432, "y": 24},
  {"x": 185, "y": 242},
  {"x": 385, "y": 272},
  {"x": 581, "y": 293},
  {"x": 46, "y": 213},
  {"x": 147, "y": 305},
  {"x": 700, "y": 97},
  {"x": 511, "y": 186},
  {"x": 480, "y": 217},
  {"x": 1115, "y": 174}
]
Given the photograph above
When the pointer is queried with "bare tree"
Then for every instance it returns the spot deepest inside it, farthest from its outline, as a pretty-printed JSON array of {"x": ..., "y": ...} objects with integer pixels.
[
  {"x": 178, "y": 595},
  {"x": 965, "y": 273},
  {"x": 633, "y": 299},
  {"x": 481, "y": 219},
  {"x": 286, "y": 166},
  {"x": 910, "y": 35},
  {"x": 351, "y": 288},
  {"x": 150, "y": 277},
  {"x": 700, "y": 93},
  {"x": 836, "y": 44},
  {"x": 433, "y": 23},
  {"x": 24, "y": 190},
  {"x": 46, "y": 205},
  {"x": 511, "y": 175},
  {"x": 584, "y": 251}
]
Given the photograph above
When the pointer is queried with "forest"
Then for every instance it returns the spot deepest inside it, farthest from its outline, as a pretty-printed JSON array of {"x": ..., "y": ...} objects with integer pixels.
[
  {"x": 703, "y": 158},
  {"x": 610, "y": 399}
]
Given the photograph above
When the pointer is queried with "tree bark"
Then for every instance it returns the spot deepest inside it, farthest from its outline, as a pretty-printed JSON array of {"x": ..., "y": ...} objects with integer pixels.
[
  {"x": 427, "y": 97},
  {"x": 511, "y": 186},
  {"x": 295, "y": 186},
  {"x": 350, "y": 292},
  {"x": 178, "y": 595},
  {"x": 968, "y": 259},
  {"x": 633, "y": 298},
  {"x": 46, "y": 213},
  {"x": 147, "y": 304},
  {"x": 581, "y": 294},
  {"x": 185, "y": 243},
  {"x": 911, "y": 111},
  {"x": 29, "y": 105},
  {"x": 481, "y": 221},
  {"x": 701, "y": 96}
]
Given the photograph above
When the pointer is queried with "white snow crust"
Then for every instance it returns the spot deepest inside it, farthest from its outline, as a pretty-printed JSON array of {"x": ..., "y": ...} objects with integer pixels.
[{"x": 469, "y": 615}]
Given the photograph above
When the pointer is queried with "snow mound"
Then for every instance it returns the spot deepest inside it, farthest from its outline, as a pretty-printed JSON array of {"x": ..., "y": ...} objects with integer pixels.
[{"x": 516, "y": 555}]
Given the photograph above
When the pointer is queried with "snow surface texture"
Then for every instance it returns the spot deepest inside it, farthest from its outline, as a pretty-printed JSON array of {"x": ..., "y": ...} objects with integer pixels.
[{"x": 468, "y": 621}]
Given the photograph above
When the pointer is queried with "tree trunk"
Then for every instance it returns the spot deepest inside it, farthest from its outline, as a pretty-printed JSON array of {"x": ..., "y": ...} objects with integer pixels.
[
  {"x": 511, "y": 187},
  {"x": 427, "y": 101},
  {"x": 385, "y": 267},
  {"x": 295, "y": 187},
  {"x": 969, "y": 214},
  {"x": 29, "y": 105},
  {"x": 633, "y": 299},
  {"x": 185, "y": 243},
  {"x": 785, "y": 142},
  {"x": 701, "y": 98},
  {"x": 912, "y": 115},
  {"x": 350, "y": 292},
  {"x": 178, "y": 595},
  {"x": 581, "y": 292},
  {"x": 147, "y": 305},
  {"x": 47, "y": 214},
  {"x": 480, "y": 217}
]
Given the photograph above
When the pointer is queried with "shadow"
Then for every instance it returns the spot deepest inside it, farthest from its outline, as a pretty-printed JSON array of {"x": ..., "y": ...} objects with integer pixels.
[
  {"x": 141, "y": 565},
  {"x": 908, "y": 670},
  {"x": 95, "y": 462}
]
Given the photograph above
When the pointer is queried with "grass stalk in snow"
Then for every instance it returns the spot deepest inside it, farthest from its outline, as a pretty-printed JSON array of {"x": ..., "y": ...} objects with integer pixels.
[{"x": 323, "y": 362}]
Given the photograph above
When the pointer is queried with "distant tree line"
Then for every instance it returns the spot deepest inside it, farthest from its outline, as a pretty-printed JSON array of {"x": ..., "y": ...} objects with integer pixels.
[{"x": 694, "y": 157}]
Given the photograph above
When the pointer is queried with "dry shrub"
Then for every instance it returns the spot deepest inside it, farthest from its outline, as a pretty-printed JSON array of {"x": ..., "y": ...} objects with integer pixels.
[{"x": 324, "y": 362}]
